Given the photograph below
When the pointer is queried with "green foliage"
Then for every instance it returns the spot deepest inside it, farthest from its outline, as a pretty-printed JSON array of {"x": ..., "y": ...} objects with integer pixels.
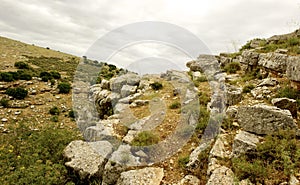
[
  {"x": 4, "y": 102},
  {"x": 232, "y": 67},
  {"x": 204, "y": 99},
  {"x": 55, "y": 75},
  {"x": 248, "y": 88},
  {"x": 64, "y": 87},
  {"x": 246, "y": 46},
  {"x": 175, "y": 105},
  {"x": 71, "y": 114},
  {"x": 54, "y": 118},
  {"x": 46, "y": 76},
  {"x": 54, "y": 111},
  {"x": 183, "y": 161},
  {"x": 156, "y": 86},
  {"x": 18, "y": 93},
  {"x": 254, "y": 74},
  {"x": 6, "y": 77},
  {"x": 145, "y": 138},
  {"x": 294, "y": 41},
  {"x": 227, "y": 124},
  {"x": 274, "y": 160},
  {"x": 203, "y": 119},
  {"x": 35, "y": 157},
  {"x": 22, "y": 65}
]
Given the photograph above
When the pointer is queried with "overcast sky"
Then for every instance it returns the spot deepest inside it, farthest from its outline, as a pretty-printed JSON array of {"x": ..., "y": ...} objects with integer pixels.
[{"x": 72, "y": 26}]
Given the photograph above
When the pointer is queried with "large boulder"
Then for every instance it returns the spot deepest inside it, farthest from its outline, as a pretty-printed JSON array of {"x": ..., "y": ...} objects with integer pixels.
[
  {"x": 244, "y": 142},
  {"x": 145, "y": 176},
  {"x": 264, "y": 119},
  {"x": 84, "y": 160},
  {"x": 286, "y": 103},
  {"x": 127, "y": 90},
  {"x": 249, "y": 59},
  {"x": 221, "y": 176},
  {"x": 273, "y": 61},
  {"x": 293, "y": 68},
  {"x": 117, "y": 83}
]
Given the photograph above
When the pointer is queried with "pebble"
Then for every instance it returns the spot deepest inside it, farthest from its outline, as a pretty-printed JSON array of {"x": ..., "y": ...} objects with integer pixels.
[
  {"x": 32, "y": 106},
  {"x": 57, "y": 97},
  {"x": 17, "y": 112},
  {"x": 4, "y": 119}
]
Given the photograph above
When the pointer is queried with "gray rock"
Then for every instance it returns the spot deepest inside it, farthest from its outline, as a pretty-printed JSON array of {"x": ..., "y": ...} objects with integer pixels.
[
  {"x": 213, "y": 164},
  {"x": 286, "y": 103},
  {"x": 244, "y": 142},
  {"x": 264, "y": 119},
  {"x": 145, "y": 176},
  {"x": 233, "y": 95},
  {"x": 84, "y": 160},
  {"x": 268, "y": 82},
  {"x": 261, "y": 92},
  {"x": 281, "y": 51},
  {"x": 293, "y": 180},
  {"x": 103, "y": 148},
  {"x": 250, "y": 59},
  {"x": 128, "y": 79},
  {"x": 105, "y": 84},
  {"x": 194, "y": 160},
  {"x": 231, "y": 112},
  {"x": 273, "y": 61},
  {"x": 138, "y": 103},
  {"x": 221, "y": 176},
  {"x": 127, "y": 90},
  {"x": 124, "y": 156},
  {"x": 219, "y": 150},
  {"x": 293, "y": 68},
  {"x": 189, "y": 180}
]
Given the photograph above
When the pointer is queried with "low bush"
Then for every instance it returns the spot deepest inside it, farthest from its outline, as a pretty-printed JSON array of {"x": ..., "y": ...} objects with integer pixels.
[
  {"x": 22, "y": 65},
  {"x": 71, "y": 114},
  {"x": 46, "y": 76},
  {"x": 6, "y": 77},
  {"x": 203, "y": 119},
  {"x": 56, "y": 75},
  {"x": 64, "y": 87},
  {"x": 175, "y": 105},
  {"x": 54, "y": 118},
  {"x": 18, "y": 93},
  {"x": 54, "y": 111},
  {"x": 183, "y": 161},
  {"x": 232, "y": 67},
  {"x": 145, "y": 138},
  {"x": 4, "y": 102},
  {"x": 156, "y": 86},
  {"x": 248, "y": 88}
]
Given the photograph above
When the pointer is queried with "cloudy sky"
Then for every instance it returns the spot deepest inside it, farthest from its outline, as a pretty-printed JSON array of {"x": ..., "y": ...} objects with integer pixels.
[{"x": 73, "y": 26}]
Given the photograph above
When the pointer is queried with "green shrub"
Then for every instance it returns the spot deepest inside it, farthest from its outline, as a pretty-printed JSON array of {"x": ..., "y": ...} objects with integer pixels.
[
  {"x": 25, "y": 76},
  {"x": 35, "y": 157},
  {"x": 248, "y": 88},
  {"x": 54, "y": 111},
  {"x": 22, "y": 65},
  {"x": 204, "y": 99},
  {"x": 71, "y": 114},
  {"x": 156, "y": 86},
  {"x": 274, "y": 160},
  {"x": 232, "y": 67},
  {"x": 145, "y": 138},
  {"x": 18, "y": 93},
  {"x": 55, "y": 75},
  {"x": 6, "y": 77},
  {"x": 175, "y": 105},
  {"x": 46, "y": 76},
  {"x": 4, "y": 102},
  {"x": 54, "y": 118},
  {"x": 64, "y": 87},
  {"x": 293, "y": 41},
  {"x": 183, "y": 161},
  {"x": 203, "y": 119},
  {"x": 52, "y": 81},
  {"x": 246, "y": 46}
]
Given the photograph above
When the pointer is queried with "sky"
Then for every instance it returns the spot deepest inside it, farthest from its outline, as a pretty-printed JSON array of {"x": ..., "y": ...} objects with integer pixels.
[{"x": 74, "y": 26}]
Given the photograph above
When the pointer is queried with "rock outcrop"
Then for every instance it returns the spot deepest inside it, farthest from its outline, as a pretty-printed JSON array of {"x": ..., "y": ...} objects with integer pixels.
[{"x": 264, "y": 119}]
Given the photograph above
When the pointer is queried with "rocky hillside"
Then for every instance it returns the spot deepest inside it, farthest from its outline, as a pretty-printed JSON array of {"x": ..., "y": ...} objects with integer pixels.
[{"x": 231, "y": 119}]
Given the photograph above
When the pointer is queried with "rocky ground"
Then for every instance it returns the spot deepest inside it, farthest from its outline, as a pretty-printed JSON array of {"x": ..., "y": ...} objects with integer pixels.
[{"x": 232, "y": 119}]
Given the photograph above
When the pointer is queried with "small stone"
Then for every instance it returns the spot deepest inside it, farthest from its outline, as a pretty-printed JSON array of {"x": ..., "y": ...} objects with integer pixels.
[
  {"x": 57, "y": 97},
  {"x": 4, "y": 119},
  {"x": 32, "y": 106},
  {"x": 17, "y": 112}
]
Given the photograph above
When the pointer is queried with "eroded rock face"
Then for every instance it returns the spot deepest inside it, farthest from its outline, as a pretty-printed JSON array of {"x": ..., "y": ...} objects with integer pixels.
[
  {"x": 117, "y": 83},
  {"x": 286, "y": 103},
  {"x": 293, "y": 68},
  {"x": 145, "y": 176},
  {"x": 233, "y": 95},
  {"x": 221, "y": 176},
  {"x": 244, "y": 142},
  {"x": 84, "y": 160},
  {"x": 264, "y": 119},
  {"x": 273, "y": 61},
  {"x": 249, "y": 59}
]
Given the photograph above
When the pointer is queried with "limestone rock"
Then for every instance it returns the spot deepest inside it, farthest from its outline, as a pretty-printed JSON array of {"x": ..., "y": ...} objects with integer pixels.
[
  {"x": 233, "y": 95},
  {"x": 127, "y": 90},
  {"x": 244, "y": 142},
  {"x": 189, "y": 180},
  {"x": 250, "y": 59},
  {"x": 268, "y": 82},
  {"x": 245, "y": 182},
  {"x": 273, "y": 61},
  {"x": 286, "y": 103},
  {"x": 84, "y": 160},
  {"x": 264, "y": 119},
  {"x": 293, "y": 68},
  {"x": 221, "y": 176},
  {"x": 145, "y": 176},
  {"x": 231, "y": 112},
  {"x": 261, "y": 92},
  {"x": 219, "y": 150},
  {"x": 117, "y": 83},
  {"x": 124, "y": 156}
]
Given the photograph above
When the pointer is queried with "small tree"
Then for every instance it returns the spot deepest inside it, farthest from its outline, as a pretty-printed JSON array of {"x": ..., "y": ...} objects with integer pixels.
[
  {"x": 64, "y": 87},
  {"x": 18, "y": 93},
  {"x": 21, "y": 65}
]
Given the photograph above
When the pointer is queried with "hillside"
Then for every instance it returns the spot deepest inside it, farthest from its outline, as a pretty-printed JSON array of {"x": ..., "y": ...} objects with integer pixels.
[{"x": 232, "y": 119}]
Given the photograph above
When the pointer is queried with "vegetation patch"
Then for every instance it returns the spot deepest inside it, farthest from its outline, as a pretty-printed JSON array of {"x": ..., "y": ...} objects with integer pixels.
[
  {"x": 175, "y": 105},
  {"x": 156, "y": 86},
  {"x": 64, "y": 87},
  {"x": 248, "y": 88},
  {"x": 17, "y": 93},
  {"x": 232, "y": 67},
  {"x": 145, "y": 138}
]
